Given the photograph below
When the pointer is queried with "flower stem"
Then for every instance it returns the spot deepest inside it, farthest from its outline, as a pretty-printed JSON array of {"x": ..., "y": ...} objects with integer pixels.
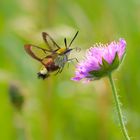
[{"x": 118, "y": 107}]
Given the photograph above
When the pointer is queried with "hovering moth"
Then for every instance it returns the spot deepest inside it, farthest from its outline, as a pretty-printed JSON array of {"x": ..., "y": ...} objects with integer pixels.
[{"x": 54, "y": 57}]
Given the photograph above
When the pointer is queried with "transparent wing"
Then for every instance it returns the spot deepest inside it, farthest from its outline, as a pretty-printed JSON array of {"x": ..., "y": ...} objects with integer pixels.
[
  {"x": 52, "y": 45},
  {"x": 36, "y": 52},
  {"x": 61, "y": 60}
]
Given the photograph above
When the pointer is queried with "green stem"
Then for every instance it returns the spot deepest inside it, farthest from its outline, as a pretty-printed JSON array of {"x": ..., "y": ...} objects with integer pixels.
[{"x": 118, "y": 107}]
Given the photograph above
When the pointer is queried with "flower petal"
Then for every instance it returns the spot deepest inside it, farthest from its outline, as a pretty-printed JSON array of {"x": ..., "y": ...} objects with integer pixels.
[{"x": 93, "y": 64}]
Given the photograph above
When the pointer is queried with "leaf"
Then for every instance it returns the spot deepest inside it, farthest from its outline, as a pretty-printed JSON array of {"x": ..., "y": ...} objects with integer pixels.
[{"x": 106, "y": 68}]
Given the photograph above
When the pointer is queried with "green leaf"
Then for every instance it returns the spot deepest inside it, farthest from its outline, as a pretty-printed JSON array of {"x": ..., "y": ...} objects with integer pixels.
[
  {"x": 105, "y": 64},
  {"x": 115, "y": 62},
  {"x": 106, "y": 68}
]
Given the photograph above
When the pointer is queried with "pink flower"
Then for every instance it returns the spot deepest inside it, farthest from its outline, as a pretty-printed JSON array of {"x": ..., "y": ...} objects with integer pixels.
[{"x": 100, "y": 60}]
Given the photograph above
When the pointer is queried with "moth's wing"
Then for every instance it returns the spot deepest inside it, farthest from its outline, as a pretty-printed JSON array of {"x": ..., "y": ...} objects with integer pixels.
[
  {"x": 36, "y": 52},
  {"x": 52, "y": 45},
  {"x": 61, "y": 60}
]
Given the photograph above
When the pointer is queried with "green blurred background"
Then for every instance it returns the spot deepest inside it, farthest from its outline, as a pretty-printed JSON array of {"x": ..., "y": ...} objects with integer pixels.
[{"x": 58, "y": 108}]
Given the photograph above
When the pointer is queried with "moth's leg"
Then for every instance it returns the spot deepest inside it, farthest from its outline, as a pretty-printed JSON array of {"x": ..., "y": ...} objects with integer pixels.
[
  {"x": 57, "y": 71},
  {"x": 61, "y": 69},
  {"x": 72, "y": 59}
]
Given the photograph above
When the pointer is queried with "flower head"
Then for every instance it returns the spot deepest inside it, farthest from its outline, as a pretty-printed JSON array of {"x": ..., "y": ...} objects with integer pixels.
[{"x": 100, "y": 60}]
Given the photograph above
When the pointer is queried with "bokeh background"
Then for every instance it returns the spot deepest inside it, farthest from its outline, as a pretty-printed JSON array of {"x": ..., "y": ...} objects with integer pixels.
[{"x": 58, "y": 108}]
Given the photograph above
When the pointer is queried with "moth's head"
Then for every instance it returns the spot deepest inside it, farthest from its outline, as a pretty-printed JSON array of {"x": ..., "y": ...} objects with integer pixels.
[
  {"x": 67, "y": 49},
  {"x": 61, "y": 50}
]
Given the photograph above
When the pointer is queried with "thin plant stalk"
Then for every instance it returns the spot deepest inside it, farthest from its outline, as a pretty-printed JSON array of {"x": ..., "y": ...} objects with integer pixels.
[{"x": 119, "y": 112}]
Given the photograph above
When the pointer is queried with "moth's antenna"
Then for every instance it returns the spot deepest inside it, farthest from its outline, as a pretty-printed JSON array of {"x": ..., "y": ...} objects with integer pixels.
[
  {"x": 65, "y": 41},
  {"x": 73, "y": 39}
]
